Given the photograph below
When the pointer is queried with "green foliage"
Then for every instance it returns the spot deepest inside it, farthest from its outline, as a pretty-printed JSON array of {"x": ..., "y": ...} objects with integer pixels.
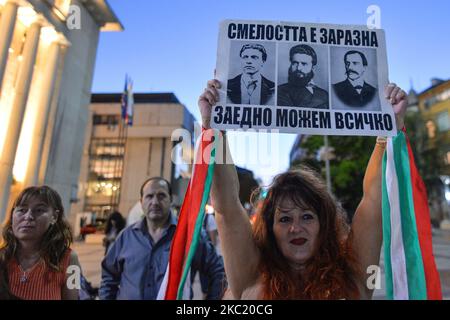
[{"x": 346, "y": 169}]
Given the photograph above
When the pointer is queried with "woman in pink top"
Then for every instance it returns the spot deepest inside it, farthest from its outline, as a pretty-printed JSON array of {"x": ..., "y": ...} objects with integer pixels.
[{"x": 35, "y": 251}]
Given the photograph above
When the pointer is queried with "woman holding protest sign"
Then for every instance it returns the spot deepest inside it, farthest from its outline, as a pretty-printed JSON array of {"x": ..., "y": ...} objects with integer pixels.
[
  {"x": 300, "y": 246},
  {"x": 35, "y": 252}
]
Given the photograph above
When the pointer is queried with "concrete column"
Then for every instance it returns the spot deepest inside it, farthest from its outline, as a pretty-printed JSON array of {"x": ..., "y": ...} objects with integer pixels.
[
  {"x": 52, "y": 116},
  {"x": 43, "y": 109},
  {"x": 18, "y": 109},
  {"x": 7, "y": 23}
]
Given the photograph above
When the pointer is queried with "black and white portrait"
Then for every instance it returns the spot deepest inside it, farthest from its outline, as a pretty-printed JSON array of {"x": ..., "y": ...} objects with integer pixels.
[
  {"x": 251, "y": 73},
  {"x": 302, "y": 76},
  {"x": 354, "y": 80}
]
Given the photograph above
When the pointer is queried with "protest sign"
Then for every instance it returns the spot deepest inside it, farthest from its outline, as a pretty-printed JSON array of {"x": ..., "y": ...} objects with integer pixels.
[{"x": 302, "y": 78}]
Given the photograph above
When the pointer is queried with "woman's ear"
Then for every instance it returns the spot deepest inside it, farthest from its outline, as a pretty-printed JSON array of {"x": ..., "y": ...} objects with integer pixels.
[{"x": 54, "y": 217}]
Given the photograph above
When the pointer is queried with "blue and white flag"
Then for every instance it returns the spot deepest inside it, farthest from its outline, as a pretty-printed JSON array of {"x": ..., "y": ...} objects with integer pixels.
[{"x": 127, "y": 101}]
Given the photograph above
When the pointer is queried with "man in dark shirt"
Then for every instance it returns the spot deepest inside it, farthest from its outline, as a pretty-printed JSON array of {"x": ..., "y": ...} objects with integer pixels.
[
  {"x": 134, "y": 267},
  {"x": 354, "y": 91},
  {"x": 300, "y": 90}
]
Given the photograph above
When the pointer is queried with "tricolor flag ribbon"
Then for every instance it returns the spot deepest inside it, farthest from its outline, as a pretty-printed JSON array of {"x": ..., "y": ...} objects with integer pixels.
[
  {"x": 176, "y": 282},
  {"x": 410, "y": 268}
]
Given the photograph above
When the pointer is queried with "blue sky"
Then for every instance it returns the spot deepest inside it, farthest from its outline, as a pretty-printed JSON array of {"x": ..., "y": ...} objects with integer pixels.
[{"x": 170, "y": 45}]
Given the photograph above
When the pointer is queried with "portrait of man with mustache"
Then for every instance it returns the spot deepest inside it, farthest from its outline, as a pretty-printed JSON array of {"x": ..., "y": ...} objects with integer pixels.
[
  {"x": 300, "y": 90},
  {"x": 355, "y": 91}
]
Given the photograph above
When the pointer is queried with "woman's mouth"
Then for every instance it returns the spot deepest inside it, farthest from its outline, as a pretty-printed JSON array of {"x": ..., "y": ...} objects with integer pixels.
[
  {"x": 298, "y": 241},
  {"x": 26, "y": 228}
]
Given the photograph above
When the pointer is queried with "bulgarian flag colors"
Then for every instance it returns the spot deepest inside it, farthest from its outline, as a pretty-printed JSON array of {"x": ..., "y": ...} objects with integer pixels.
[
  {"x": 408, "y": 253},
  {"x": 176, "y": 282}
]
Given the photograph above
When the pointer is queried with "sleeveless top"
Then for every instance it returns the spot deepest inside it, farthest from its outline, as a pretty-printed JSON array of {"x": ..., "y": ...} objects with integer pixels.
[{"x": 38, "y": 282}]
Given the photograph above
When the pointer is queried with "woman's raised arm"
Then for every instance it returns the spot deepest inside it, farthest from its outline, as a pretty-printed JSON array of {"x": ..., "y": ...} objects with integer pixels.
[{"x": 235, "y": 232}]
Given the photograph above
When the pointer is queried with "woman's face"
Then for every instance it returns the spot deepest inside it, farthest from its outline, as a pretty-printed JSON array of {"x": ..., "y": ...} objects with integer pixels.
[
  {"x": 31, "y": 221},
  {"x": 296, "y": 232}
]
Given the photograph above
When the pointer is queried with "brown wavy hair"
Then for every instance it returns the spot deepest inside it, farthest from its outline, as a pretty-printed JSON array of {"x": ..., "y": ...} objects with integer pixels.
[
  {"x": 54, "y": 244},
  {"x": 331, "y": 271}
]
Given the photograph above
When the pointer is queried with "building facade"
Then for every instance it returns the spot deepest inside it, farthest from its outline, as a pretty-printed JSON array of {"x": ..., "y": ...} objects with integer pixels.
[
  {"x": 117, "y": 159},
  {"x": 434, "y": 107},
  {"x": 47, "y": 56}
]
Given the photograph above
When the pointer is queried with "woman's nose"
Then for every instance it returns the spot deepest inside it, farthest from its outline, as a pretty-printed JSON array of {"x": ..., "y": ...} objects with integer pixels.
[
  {"x": 295, "y": 227},
  {"x": 28, "y": 215}
]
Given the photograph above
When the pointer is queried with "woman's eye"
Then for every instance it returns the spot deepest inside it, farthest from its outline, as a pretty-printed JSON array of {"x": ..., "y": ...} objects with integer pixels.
[
  {"x": 285, "y": 219},
  {"x": 308, "y": 216}
]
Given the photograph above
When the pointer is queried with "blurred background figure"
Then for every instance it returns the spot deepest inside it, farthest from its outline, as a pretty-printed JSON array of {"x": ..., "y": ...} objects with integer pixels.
[
  {"x": 136, "y": 214},
  {"x": 210, "y": 226},
  {"x": 114, "y": 224}
]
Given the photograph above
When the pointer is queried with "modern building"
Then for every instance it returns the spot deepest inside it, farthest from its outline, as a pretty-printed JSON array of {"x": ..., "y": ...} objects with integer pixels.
[
  {"x": 116, "y": 160},
  {"x": 47, "y": 56}
]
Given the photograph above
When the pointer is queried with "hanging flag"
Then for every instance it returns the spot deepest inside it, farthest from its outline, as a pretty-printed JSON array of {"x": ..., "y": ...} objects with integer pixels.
[
  {"x": 176, "y": 282},
  {"x": 124, "y": 99},
  {"x": 127, "y": 101},
  {"x": 410, "y": 267},
  {"x": 130, "y": 103}
]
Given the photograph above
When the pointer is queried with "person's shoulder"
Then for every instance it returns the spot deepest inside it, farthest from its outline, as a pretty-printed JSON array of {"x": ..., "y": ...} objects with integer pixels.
[
  {"x": 320, "y": 92},
  {"x": 369, "y": 87},
  {"x": 283, "y": 87},
  {"x": 236, "y": 79},
  {"x": 269, "y": 83},
  {"x": 128, "y": 231},
  {"x": 340, "y": 85},
  {"x": 132, "y": 228}
]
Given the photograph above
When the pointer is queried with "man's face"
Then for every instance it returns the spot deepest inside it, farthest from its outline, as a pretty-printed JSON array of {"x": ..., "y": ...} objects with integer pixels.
[
  {"x": 156, "y": 201},
  {"x": 252, "y": 61},
  {"x": 354, "y": 67},
  {"x": 301, "y": 69},
  {"x": 301, "y": 63}
]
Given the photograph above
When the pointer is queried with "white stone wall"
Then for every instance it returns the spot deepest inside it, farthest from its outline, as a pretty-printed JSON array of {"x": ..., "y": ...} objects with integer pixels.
[{"x": 71, "y": 117}]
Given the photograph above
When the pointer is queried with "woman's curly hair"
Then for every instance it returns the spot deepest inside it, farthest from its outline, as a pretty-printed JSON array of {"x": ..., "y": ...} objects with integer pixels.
[{"x": 331, "y": 271}]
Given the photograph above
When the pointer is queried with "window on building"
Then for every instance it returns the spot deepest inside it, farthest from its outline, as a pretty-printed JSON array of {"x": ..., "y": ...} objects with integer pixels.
[
  {"x": 105, "y": 188},
  {"x": 437, "y": 98},
  {"x": 106, "y": 157},
  {"x": 442, "y": 121},
  {"x": 105, "y": 119}
]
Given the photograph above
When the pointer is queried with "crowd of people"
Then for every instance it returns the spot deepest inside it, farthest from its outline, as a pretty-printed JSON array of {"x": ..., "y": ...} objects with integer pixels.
[{"x": 298, "y": 245}]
